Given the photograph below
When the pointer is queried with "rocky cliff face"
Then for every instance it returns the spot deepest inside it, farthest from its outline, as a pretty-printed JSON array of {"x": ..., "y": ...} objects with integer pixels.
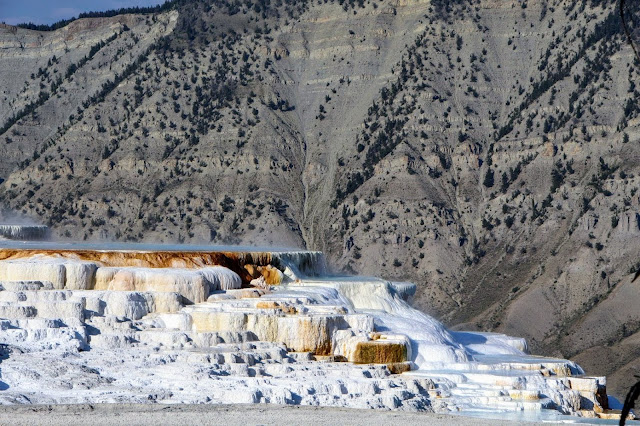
[{"x": 485, "y": 150}]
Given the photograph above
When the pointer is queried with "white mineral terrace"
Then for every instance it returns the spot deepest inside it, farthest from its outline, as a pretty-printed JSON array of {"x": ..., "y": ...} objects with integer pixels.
[
  {"x": 23, "y": 232},
  {"x": 114, "y": 323}
]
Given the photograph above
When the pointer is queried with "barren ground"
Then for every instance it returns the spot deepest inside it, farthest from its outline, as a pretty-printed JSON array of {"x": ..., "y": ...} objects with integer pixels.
[{"x": 239, "y": 414}]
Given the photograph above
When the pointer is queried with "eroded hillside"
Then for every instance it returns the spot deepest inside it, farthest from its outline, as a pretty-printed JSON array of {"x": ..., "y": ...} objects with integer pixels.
[{"x": 486, "y": 150}]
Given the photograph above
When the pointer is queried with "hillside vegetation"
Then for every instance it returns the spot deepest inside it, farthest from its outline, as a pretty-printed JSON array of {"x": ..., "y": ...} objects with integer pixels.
[{"x": 486, "y": 150}]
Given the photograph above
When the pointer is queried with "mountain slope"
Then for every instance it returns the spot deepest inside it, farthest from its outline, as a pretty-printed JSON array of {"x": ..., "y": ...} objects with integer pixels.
[{"x": 484, "y": 150}]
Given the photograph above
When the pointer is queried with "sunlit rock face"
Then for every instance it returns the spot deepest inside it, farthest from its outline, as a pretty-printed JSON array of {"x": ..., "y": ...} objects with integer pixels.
[{"x": 122, "y": 323}]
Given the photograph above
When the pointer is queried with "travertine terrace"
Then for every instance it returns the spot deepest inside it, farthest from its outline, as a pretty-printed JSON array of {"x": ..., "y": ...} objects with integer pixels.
[{"x": 180, "y": 324}]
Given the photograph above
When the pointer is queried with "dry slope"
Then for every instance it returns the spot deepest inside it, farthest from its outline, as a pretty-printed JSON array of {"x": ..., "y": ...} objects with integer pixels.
[{"x": 487, "y": 150}]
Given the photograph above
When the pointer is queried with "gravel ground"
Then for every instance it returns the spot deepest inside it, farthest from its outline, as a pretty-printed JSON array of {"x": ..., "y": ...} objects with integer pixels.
[{"x": 228, "y": 415}]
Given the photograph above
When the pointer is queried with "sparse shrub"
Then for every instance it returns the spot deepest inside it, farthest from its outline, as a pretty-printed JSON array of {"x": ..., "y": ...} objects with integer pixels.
[{"x": 488, "y": 179}]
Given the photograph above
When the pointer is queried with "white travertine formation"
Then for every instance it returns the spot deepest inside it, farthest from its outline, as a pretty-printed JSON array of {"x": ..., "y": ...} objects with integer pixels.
[
  {"x": 25, "y": 285},
  {"x": 129, "y": 304},
  {"x": 302, "y": 263},
  {"x": 34, "y": 270},
  {"x": 221, "y": 278},
  {"x": 80, "y": 275},
  {"x": 405, "y": 290},
  {"x": 193, "y": 284},
  {"x": 24, "y": 232},
  {"x": 179, "y": 335},
  {"x": 61, "y": 272}
]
